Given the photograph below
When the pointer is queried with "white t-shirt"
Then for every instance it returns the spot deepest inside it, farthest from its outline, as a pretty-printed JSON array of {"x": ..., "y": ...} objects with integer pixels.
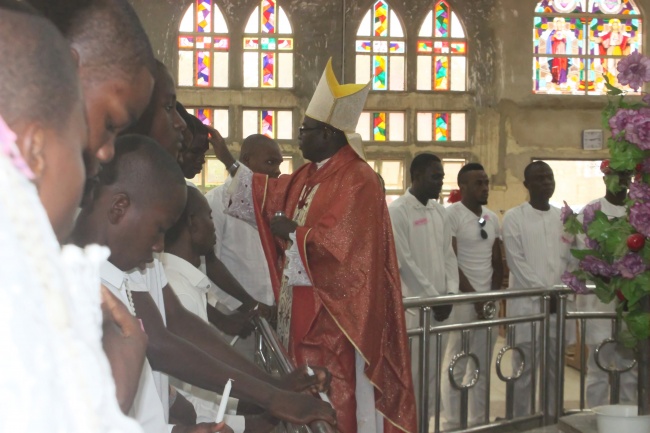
[
  {"x": 473, "y": 252},
  {"x": 427, "y": 263},
  {"x": 240, "y": 249},
  {"x": 147, "y": 407},
  {"x": 153, "y": 279},
  {"x": 191, "y": 286}
]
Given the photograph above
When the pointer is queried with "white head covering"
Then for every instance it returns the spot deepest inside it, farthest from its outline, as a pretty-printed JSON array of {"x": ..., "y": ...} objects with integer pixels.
[{"x": 339, "y": 105}]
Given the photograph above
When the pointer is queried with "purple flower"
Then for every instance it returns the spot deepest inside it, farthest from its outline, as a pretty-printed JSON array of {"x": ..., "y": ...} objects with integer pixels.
[
  {"x": 567, "y": 212},
  {"x": 597, "y": 267},
  {"x": 640, "y": 218},
  {"x": 631, "y": 265},
  {"x": 589, "y": 214},
  {"x": 645, "y": 165},
  {"x": 619, "y": 121},
  {"x": 591, "y": 243},
  {"x": 637, "y": 129},
  {"x": 576, "y": 284},
  {"x": 634, "y": 70},
  {"x": 639, "y": 191}
]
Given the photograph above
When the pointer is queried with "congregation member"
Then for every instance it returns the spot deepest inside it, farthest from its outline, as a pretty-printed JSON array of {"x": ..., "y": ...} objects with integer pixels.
[
  {"x": 195, "y": 144},
  {"x": 537, "y": 257},
  {"x": 238, "y": 244},
  {"x": 327, "y": 238},
  {"x": 476, "y": 241},
  {"x": 597, "y": 386},
  {"x": 116, "y": 66},
  {"x": 427, "y": 263},
  {"x": 54, "y": 374},
  {"x": 190, "y": 238},
  {"x": 140, "y": 196}
]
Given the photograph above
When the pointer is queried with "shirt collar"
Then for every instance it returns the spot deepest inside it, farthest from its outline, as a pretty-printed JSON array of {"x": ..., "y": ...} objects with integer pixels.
[
  {"x": 322, "y": 163},
  {"x": 186, "y": 269},
  {"x": 110, "y": 274},
  {"x": 431, "y": 204}
]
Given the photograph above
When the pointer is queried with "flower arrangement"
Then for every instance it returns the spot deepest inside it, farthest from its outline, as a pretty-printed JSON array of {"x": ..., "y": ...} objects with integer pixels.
[{"x": 617, "y": 258}]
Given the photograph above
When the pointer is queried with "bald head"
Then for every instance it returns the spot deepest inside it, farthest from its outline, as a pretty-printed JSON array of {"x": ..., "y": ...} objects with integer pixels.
[
  {"x": 107, "y": 34},
  {"x": 38, "y": 77},
  {"x": 261, "y": 154},
  {"x": 141, "y": 169}
]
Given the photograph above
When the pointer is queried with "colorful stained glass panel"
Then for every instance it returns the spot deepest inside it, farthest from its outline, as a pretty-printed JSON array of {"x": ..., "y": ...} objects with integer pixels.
[
  {"x": 285, "y": 44},
  {"x": 202, "y": 42},
  {"x": 425, "y": 46},
  {"x": 251, "y": 43},
  {"x": 612, "y": 7},
  {"x": 380, "y": 25},
  {"x": 441, "y": 11},
  {"x": 380, "y": 46},
  {"x": 379, "y": 126},
  {"x": 268, "y": 43},
  {"x": 397, "y": 47},
  {"x": 203, "y": 68},
  {"x": 441, "y": 125},
  {"x": 204, "y": 115},
  {"x": 614, "y": 37},
  {"x": 559, "y": 75},
  {"x": 185, "y": 42},
  {"x": 441, "y": 73},
  {"x": 458, "y": 47},
  {"x": 560, "y": 6},
  {"x": 380, "y": 72},
  {"x": 267, "y": 124},
  {"x": 204, "y": 15},
  {"x": 268, "y": 70},
  {"x": 441, "y": 47},
  {"x": 363, "y": 46},
  {"x": 268, "y": 16},
  {"x": 221, "y": 43}
]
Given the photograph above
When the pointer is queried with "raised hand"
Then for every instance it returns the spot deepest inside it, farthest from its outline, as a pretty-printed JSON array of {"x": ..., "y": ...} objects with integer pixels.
[
  {"x": 299, "y": 380},
  {"x": 301, "y": 409}
]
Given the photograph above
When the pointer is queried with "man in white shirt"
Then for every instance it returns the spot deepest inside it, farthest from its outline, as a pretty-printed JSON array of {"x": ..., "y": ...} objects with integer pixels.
[
  {"x": 476, "y": 241},
  {"x": 238, "y": 243},
  {"x": 190, "y": 238},
  {"x": 537, "y": 257},
  {"x": 141, "y": 194},
  {"x": 427, "y": 262},
  {"x": 597, "y": 381}
]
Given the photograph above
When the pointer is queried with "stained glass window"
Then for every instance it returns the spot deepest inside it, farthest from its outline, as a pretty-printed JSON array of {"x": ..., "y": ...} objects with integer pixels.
[
  {"x": 381, "y": 126},
  {"x": 275, "y": 124},
  {"x": 441, "y": 50},
  {"x": 441, "y": 126},
  {"x": 268, "y": 48},
  {"x": 203, "y": 45},
  {"x": 578, "y": 43},
  {"x": 381, "y": 49},
  {"x": 216, "y": 117}
]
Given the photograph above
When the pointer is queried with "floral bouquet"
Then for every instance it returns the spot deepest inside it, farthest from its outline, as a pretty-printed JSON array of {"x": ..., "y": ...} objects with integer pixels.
[{"x": 617, "y": 258}]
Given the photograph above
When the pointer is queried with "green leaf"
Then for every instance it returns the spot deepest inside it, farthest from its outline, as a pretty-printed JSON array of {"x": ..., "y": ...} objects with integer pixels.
[
  {"x": 604, "y": 291},
  {"x": 573, "y": 226},
  {"x": 599, "y": 226},
  {"x": 638, "y": 323},
  {"x": 627, "y": 339},
  {"x": 613, "y": 183},
  {"x": 609, "y": 111},
  {"x": 581, "y": 254},
  {"x": 624, "y": 155},
  {"x": 634, "y": 290}
]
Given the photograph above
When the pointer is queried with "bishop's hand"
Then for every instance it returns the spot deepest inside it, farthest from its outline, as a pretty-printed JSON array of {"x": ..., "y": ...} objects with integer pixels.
[{"x": 281, "y": 226}]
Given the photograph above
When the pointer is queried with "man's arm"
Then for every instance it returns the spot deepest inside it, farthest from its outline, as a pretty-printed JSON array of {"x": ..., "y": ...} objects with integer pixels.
[
  {"x": 497, "y": 265},
  {"x": 232, "y": 324},
  {"x": 221, "y": 276},
  {"x": 463, "y": 283},
  {"x": 170, "y": 353}
]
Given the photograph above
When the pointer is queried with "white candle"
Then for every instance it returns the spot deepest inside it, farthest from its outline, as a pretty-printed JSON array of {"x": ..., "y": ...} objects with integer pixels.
[
  {"x": 323, "y": 396},
  {"x": 224, "y": 401}
]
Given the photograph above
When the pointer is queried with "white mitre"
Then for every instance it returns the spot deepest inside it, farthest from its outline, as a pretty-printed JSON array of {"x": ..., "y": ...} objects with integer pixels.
[{"x": 339, "y": 105}]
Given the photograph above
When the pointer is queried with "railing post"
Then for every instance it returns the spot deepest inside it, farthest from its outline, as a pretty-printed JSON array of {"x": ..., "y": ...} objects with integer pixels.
[
  {"x": 423, "y": 359},
  {"x": 559, "y": 377},
  {"x": 583, "y": 361},
  {"x": 614, "y": 374},
  {"x": 544, "y": 389},
  {"x": 464, "y": 392}
]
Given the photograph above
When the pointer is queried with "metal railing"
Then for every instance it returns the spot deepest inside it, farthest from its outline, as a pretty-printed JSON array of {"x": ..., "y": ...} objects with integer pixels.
[
  {"x": 273, "y": 357},
  {"x": 540, "y": 323}
]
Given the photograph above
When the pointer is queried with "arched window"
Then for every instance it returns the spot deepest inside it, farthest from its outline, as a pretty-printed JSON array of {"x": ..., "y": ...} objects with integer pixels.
[
  {"x": 380, "y": 49},
  {"x": 268, "y": 48},
  {"x": 442, "y": 51},
  {"x": 578, "y": 43},
  {"x": 203, "y": 45}
]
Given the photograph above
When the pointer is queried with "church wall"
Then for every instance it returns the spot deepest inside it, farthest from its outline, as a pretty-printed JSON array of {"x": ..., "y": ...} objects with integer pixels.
[{"x": 507, "y": 124}]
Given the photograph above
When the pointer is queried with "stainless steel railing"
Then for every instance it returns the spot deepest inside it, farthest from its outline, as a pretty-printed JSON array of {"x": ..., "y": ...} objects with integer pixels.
[
  {"x": 272, "y": 356},
  {"x": 429, "y": 333}
]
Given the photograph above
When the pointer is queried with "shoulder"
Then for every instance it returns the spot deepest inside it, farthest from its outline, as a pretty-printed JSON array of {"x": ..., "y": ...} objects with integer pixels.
[{"x": 513, "y": 215}]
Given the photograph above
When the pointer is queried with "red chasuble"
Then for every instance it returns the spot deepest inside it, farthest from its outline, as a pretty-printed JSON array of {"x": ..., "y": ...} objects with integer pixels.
[{"x": 347, "y": 247}]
